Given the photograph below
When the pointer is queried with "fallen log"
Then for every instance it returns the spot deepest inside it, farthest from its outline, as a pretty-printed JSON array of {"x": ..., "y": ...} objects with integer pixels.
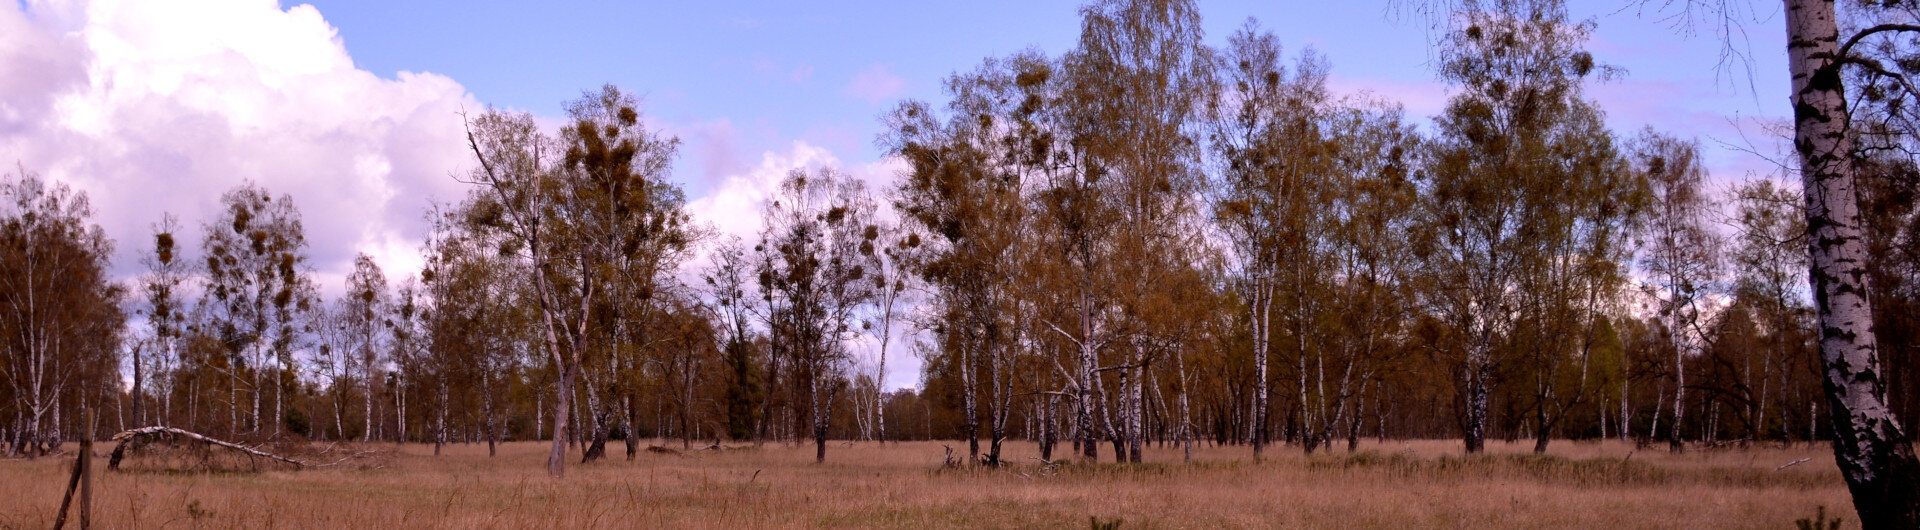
[
  {"x": 1793, "y": 463},
  {"x": 119, "y": 450}
]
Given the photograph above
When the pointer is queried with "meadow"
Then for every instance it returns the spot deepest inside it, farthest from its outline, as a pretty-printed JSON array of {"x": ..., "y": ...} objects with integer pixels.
[{"x": 1395, "y": 484}]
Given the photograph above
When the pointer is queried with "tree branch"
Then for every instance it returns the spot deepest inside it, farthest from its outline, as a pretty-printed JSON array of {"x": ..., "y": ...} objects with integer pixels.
[
  {"x": 1846, "y": 50},
  {"x": 128, "y": 436}
]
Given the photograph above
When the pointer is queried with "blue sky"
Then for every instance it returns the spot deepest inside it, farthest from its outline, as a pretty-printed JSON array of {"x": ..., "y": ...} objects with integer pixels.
[
  {"x": 352, "y": 107},
  {"x": 821, "y": 72}
]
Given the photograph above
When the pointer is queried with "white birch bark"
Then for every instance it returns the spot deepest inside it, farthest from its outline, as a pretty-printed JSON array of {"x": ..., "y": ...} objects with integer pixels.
[{"x": 1869, "y": 444}]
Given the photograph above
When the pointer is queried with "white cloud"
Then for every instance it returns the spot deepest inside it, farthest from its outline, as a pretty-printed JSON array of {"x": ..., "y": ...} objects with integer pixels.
[
  {"x": 153, "y": 107},
  {"x": 735, "y": 204},
  {"x": 876, "y": 85}
]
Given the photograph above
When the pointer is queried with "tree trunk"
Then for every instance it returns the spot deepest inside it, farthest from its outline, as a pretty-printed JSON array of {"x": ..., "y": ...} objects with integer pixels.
[
  {"x": 1626, "y": 412},
  {"x": 1674, "y": 442},
  {"x": 139, "y": 390},
  {"x": 255, "y": 390},
  {"x": 400, "y": 410},
  {"x": 339, "y": 425},
  {"x": 562, "y": 405},
  {"x": 1869, "y": 445},
  {"x": 1136, "y": 406},
  {"x": 491, "y": 417},
  {"x": 633, "y": 428},
  {"x": 1089, "y": 362},
  {"x": 597, "y": 442},
  {"x": 1257, "y": 427},
  {"x": 367, "y": 435},
  {"x": 880, "y": 383},
  {"x": 279, "y": 399},
  {"x": 969, "y": 401},
  {"x": 1479, "y": 364},
  {"x": 1186, "y": 413},
  {"x": 822, "y": 409}
]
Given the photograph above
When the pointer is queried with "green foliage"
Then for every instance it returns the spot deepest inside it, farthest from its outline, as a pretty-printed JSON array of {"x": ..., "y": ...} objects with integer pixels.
[{"x": 295, "y": 420}]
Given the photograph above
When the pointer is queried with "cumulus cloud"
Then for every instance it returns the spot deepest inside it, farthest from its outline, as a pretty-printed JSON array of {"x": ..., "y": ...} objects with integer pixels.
[
  {"x": 155, "y": 107},
  {"x": 734, "y": 206}
]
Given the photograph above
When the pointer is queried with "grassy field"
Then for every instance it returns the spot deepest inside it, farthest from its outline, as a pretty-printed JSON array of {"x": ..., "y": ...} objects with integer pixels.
[{"x": 1397, "y": 484}]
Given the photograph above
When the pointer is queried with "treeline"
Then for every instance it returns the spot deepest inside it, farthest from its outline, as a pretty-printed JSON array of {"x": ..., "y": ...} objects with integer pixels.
[{"x": 1146, "y": 239}]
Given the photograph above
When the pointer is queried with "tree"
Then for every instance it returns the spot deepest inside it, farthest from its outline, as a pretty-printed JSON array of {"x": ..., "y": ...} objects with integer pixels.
[
  {"x": 480, "y": 322},
  {"x": 1134, "y": 86},
  {"x": 891, "y": 285},
  {"x": 629, "y": 231},
  {"x": 728, "y": 282},
  {"x": 255, "y": 276},
  {"x": 165, "y": 275},
  {"x": 816, "y": 252},
  {"x": 63, "y": 323},
  {"x": 334, "y": 346},
  {"x": 1493, "y": 187},
  {"x": 1870, "y": 445},
  {"x": 583, "y": 221},
  {"x": 1682, "y": 255},
  {"x": 367, "y": 311},
  {"x": 1265, "y": 131},
  {"x": 1770, "y": 263},
  {"x": 516, "y": 172},
  {"x": 412, "y": 368}
]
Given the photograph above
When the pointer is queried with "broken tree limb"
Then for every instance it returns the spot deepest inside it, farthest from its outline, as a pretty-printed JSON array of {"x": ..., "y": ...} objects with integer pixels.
[{"x": 119, "y": 450}]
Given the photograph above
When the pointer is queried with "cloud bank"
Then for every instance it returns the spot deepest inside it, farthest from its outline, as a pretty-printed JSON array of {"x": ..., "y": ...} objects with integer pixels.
[{"x": 154, "y": 107}]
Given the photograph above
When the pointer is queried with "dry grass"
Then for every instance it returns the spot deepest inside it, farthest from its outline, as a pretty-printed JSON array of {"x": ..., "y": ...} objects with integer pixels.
[{"x": 1393, "y": 485}]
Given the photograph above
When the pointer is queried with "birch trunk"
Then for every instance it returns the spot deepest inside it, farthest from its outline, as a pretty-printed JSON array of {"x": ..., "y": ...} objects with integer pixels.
[
  {"x": 1479, "y": 367},
  {"x": 1089, "y": 359},
  {"x": 1868, "y": 444},
  {"x": 969, "y": 400},
  {"x": 1262, "y": 313}
]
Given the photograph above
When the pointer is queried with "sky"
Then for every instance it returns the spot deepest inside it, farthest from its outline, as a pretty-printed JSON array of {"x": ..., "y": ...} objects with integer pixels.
[{"x": 353, "y": 108}]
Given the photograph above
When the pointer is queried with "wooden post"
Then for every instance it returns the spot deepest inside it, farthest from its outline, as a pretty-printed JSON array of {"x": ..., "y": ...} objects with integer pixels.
[
  {"x": 82, "y": 479},
  {"x": 86, "y": 471},
  {"x": 66, "y": 500}
]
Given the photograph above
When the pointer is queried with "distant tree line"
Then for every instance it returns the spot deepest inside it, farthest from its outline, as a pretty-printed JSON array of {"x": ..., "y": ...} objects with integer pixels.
[{"x": 1143, "y": 240}]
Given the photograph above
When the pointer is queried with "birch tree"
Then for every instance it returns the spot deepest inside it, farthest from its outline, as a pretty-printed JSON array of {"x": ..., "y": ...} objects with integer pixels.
[
  {"x": 817, "y": 250},
  {"x": 62, "y": 322},
  {"x": 166, "y": 275},
  {"x": 367, "y": 306},
  {"x": 1519, "y": 67},
  {"x": 256, "y": 274},
  {"x": 516, "y": 177},
  {"x": 1134, "y": 86},
  {"x": 1682, "y": 254}
]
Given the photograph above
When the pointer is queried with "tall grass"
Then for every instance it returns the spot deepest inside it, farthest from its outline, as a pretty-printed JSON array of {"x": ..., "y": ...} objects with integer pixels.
[{"x": 1393, "y": 485}]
